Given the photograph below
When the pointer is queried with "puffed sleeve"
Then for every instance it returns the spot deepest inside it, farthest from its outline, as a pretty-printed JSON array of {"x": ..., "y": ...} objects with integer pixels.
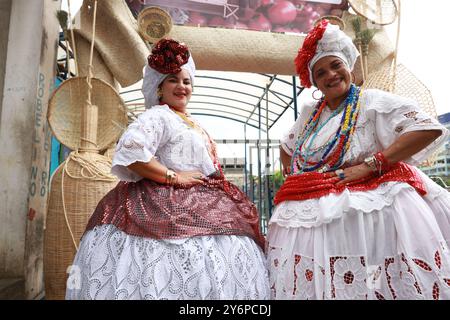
[
  {"x": 395, "y": 116},
  {"x": 139, "y": 142},
  {"x": 289, "y": 139}
]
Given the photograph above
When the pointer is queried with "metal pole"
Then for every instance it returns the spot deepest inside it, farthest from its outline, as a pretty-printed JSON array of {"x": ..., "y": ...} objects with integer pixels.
[
  {"x": 268, "y": 184},
  {"x": 245, "y": 160},
  {"x": 252, "y": 189},
  {"x": 294, "y": 89},
  {"x": 259, "y": 162}
]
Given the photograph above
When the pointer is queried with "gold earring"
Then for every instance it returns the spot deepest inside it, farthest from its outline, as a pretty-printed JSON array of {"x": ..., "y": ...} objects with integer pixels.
[{"x": 159, "y": 93}]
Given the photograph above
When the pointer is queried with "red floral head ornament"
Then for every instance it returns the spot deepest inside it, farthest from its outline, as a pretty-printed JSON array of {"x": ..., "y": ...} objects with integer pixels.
[
  {"x": 308, "y": 51},
  {"x": 168, "y": 56}
]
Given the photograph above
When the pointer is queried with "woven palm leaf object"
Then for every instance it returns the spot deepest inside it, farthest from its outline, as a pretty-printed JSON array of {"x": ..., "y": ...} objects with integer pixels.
[
  {"x": 74, "y": 196},
  {"x": 66, "y": 107},
  {"x": 403, "y": 82},
  {"x": 381, "y": 12},
  {"x": 84, "y": 177},
  {"x": 333, "y": 20},
  {"x": 87, "y": 119},
  {"x": 154, "y": 23}
]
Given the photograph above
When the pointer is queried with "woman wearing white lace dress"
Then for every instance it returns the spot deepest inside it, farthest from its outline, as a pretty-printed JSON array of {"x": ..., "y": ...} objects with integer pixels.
[
  {"x": 173, "y": 228},
  {"x": 355, "y": 219}
]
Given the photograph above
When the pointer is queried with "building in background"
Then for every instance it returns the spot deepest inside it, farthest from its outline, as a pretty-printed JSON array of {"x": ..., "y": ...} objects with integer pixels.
[
  {"x": 441, "y": 166},
  {"x": 233, "y": 169}
]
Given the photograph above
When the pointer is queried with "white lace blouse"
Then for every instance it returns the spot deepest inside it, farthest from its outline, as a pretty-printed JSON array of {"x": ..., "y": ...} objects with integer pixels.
[
  {"x": 383, "y": 117},
  {"x": 160, "y": 133}
]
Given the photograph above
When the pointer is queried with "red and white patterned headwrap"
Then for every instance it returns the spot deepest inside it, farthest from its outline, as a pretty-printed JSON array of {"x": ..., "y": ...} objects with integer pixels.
[
  {"x": 325, "y": 39},
  {"x": 168, "y": 57}
]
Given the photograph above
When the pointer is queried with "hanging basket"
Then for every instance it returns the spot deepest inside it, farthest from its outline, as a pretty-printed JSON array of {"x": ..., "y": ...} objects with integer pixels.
[
  {"x": 65, "y": 110},
  {"x": 403, "y": 82},
  {"x": 71, "y": 203},
  {"x": 154, "y": 23},
  {"x": 333, "y": 20},
  {"x": 380, "y": 12}
]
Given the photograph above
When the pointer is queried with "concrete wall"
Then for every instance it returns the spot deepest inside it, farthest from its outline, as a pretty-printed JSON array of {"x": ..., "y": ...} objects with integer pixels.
[
  {"x": 5, "y": 11},
  {"x": 16, "y": 121},
  {"x": 25, "y": 137}
]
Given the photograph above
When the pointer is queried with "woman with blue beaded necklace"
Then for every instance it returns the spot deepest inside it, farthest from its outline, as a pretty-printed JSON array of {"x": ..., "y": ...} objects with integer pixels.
[{"x": 355, "y": 219}]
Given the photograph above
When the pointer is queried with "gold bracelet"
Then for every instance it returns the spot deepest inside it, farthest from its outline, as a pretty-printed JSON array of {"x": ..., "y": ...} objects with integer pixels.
[
  {"x": 371, "y": 163},
  {"x": 171, "y": 176}
]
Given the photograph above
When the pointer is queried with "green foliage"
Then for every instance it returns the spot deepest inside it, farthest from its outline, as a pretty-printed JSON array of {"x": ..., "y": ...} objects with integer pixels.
[
  {"x": 277, "y": 180},
  {"x": 367, "y": 35},
  {"x": 356, "y": 24},
  {"x": 362, "y": 36}
]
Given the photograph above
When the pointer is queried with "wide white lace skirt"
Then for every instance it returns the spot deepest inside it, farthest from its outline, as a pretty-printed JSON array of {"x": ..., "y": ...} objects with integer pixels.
[
  {"x": 389, "y": 243},
  {"x": 111, "y": 264}
]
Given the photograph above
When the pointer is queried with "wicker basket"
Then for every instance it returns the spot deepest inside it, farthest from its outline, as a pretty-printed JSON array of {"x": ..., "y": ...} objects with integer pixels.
[
  {"x": 79, "y": 197},
  {"x": 65, "y": 109},
  {"x": 405, "y": 84},
  {"x": 333, "y": 20},
  {"x": 381, "y": 12},
  {"x": 154, "y": 23}
]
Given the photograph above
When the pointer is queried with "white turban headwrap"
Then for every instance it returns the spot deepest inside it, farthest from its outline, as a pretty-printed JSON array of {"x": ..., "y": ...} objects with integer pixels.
[
  {"x": 152, "y": 80},
  {"x": 325, "y": 39},
  {"x": 334, "y": 42}
]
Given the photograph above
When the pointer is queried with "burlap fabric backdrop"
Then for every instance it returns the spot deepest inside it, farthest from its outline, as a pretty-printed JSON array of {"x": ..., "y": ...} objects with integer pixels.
[{"x": 124, "y": 53}]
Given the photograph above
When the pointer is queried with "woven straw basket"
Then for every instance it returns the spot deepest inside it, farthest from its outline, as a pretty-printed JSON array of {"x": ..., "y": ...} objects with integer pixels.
[
  {"x": 404, "y": 83},
  {"x": 154, "y": 23},
  {"x": 333, "y": 20},
  {"x": 79, "y": 196},
  {"x": 381, "y": 12},
  {"x": 65, "y": 109}
]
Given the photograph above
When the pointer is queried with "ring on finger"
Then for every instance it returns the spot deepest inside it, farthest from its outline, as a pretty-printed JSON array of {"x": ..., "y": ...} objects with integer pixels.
[{"x": 340, "y": 173}]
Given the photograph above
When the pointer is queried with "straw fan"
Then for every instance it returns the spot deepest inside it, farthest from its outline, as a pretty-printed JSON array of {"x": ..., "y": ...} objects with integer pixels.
[{"x": 86, "y": 115}]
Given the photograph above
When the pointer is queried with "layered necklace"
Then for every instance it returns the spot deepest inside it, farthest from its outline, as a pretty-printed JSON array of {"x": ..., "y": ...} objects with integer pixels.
[{"x": 336, "y": 147}]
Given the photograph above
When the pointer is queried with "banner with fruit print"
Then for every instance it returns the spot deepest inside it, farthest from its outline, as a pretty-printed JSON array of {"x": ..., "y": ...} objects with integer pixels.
[{"x": 288, "y": 16}]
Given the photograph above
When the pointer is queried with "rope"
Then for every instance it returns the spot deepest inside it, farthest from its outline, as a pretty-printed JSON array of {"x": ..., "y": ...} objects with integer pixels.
[
  {"x": 90, "y": 170},
  {"x": 91, "y": 56},
  {"x": 89, "y": 77},
  {"x": 394, "y": 61},
  {"x": 94, "y": 149},
  {"x": 73, "y": 39}
]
